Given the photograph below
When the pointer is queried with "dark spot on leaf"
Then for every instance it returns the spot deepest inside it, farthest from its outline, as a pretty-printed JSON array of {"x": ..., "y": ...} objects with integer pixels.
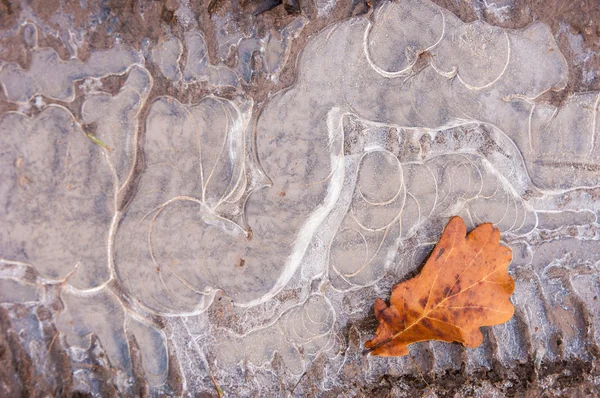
[
  {"x": 456, "y": 289},
  {"x": 426, "y": 322}
]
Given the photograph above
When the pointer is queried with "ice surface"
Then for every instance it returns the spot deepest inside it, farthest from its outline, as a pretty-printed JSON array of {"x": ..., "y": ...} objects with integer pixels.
[
  {"x": 51, "y": 76},
  {"x": 220, "y": 237},
  {"x": 14, "y": 291},
  {"x": 54, "y": 175},
  {"x": 166, "y": 55}
]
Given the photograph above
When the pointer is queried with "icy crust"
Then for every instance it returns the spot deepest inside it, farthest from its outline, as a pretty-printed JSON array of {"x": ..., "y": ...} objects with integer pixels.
[
  {"x": 51, "y": 76},
  {"x": 208, "y": 239},
  {"x": 272, "y": 51},
  {"x": 57, "y": 197},
  {"x": 176, "y": 225},
  {"x": 102, "y": 314}
]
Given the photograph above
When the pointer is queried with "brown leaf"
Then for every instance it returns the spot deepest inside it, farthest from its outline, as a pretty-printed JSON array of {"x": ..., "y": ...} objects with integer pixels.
[{"x": 464, "y": 285}]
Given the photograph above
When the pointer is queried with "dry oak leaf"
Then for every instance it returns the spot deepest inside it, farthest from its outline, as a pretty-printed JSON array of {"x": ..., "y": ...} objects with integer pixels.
[{"x": 464, "y": 285}]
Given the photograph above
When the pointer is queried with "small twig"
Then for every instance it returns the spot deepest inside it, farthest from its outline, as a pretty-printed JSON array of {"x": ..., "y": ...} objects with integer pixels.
[
  {"x": 418, "y": 369},
  {"x": 298, "y": 383},
  {"x": 51, "y": 343},
  {"x": 96, "y": 141},
  {"x": 219, "y": 391}
]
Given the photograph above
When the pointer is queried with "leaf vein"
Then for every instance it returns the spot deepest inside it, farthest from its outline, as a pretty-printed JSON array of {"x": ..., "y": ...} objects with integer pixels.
[
  {"x": 475, "y": 306},
  {"x": 470, "y": 263}
]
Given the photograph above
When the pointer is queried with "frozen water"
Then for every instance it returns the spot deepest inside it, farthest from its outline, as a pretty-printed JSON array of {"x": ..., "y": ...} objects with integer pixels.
[{"x": 228, "y": 239}]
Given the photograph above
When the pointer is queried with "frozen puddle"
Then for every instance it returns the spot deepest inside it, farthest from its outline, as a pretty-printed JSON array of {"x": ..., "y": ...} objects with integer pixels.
[{"x": 223, "y": 238}]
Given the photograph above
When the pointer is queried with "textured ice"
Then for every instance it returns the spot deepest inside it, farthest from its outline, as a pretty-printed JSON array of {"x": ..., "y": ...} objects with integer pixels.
[
  {"x": 54, "y": 175},
  {"x": 51, "y": 76},
  {"x": 166, "y": 55},
  {"x": 224, "y": 238},
  {"x": 15, "y": 291}
]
